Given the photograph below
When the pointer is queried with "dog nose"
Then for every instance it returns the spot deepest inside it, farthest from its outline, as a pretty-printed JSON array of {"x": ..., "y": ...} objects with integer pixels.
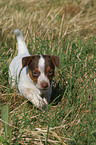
[{"x": 44, "y": 85}]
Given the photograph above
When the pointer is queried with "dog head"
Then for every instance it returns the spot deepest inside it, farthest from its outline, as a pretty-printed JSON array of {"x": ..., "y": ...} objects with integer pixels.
[{"x": 41, "y": 69}]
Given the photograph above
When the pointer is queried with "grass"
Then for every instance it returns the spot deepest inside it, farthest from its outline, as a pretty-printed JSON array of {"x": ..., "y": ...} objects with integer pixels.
[{"x": 63, "y": 28}]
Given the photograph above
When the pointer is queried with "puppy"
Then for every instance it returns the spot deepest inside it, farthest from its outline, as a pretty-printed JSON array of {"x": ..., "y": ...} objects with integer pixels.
[{"x": 32, "y": 73}]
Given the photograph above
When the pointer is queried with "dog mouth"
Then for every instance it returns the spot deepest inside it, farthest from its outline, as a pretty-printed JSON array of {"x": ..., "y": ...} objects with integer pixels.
[{"x": 43, "y": 89}]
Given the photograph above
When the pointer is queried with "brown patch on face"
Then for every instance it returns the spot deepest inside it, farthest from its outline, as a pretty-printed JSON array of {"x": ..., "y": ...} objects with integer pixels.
[
  {"x": 50, "y": 72},
  {"x": 34, "y": 74},
  {"x": 33, "y": 69},
  {"x": 49, "y": 67}
]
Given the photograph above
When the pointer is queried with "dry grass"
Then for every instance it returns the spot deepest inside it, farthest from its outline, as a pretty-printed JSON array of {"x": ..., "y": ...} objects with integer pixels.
[{"x": 42, "y": 18}]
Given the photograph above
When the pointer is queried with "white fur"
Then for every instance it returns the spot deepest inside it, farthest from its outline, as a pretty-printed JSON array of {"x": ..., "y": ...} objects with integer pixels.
[
  {"x": 42, "y": 77},
  {"x": 25, "y": 84}
]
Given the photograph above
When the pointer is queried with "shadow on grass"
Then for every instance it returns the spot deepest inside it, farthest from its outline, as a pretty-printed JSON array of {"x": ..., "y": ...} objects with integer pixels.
[{"x": 57, "y": 94}]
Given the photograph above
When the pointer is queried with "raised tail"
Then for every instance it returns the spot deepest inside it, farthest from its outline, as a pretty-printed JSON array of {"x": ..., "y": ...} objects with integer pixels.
[{"x": 22, "y": 48}]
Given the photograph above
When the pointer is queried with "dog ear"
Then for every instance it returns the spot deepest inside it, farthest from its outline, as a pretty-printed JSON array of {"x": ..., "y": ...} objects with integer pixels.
[
  {"x": 26, "y": 60},
  {"x": 55, "y": 60}
]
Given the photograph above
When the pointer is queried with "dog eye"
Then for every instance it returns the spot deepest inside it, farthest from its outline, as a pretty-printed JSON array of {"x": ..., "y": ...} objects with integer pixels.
[
  {"x": 35, "y": 73},
  {"x": 50, "y": 73}
]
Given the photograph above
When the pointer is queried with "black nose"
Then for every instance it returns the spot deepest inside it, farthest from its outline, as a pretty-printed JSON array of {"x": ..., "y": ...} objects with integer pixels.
[{"x": 44, "y": 85}]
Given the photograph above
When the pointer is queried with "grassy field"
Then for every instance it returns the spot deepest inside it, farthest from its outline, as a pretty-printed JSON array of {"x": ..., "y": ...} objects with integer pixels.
[{"x": 66, "y": 28}]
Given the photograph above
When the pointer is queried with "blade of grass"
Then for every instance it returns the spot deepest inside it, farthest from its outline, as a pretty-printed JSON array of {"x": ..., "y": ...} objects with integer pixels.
[
  {"x": 47, "y": 135},
  {"x": 3, "y": 140},
  {"x": 4, "y": 116}
]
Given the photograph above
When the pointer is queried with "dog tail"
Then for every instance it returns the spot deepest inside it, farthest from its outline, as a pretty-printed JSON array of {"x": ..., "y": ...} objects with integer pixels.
[{"x": 22, "y": 48}]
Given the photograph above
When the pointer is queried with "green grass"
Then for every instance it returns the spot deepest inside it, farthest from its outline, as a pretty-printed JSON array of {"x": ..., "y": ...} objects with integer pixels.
[{"x": 73, "y": 120}]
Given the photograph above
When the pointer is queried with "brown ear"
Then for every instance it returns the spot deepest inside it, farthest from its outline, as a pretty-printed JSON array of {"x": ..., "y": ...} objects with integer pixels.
[
  {"x": 26, "y": 60},
  {"x": 55, "y": 60}
]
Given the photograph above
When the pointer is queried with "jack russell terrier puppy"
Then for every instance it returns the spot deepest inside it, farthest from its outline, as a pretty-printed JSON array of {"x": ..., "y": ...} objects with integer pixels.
[{"x": 33, "y": 74}]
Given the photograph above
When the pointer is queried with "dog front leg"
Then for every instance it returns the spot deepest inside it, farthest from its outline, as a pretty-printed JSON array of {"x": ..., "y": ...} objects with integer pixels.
[{"x": 34, "y": 98}]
